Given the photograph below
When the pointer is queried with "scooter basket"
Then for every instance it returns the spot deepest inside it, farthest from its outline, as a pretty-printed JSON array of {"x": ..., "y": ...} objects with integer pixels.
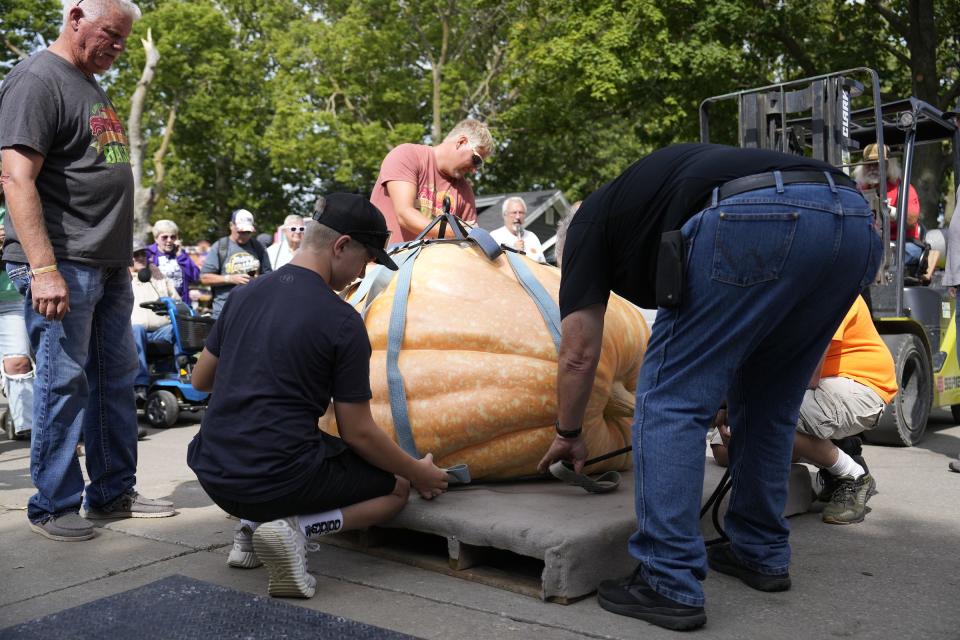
[{"x": 193, "y": 331}]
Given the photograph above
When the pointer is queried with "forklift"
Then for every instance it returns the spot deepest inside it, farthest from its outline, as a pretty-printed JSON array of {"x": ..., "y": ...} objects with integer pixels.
[{"x": 833, "y": 118}]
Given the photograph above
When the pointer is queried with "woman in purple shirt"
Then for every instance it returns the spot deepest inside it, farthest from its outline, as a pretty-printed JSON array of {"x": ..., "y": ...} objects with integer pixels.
[{"x": 173, "y": 263}]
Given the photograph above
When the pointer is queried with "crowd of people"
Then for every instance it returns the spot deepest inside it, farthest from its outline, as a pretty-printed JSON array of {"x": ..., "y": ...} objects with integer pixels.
[{"x": 754, "y": 259}]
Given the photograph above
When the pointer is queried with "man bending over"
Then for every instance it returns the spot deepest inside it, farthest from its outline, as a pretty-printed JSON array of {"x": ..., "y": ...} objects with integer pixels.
[
  {"x": 846, "y": 397},
  {"x": 282, "y": 348}
]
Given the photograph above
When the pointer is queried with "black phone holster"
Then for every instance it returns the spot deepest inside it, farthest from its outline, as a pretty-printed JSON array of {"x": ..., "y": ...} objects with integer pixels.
[{"x": 670, "y": 267}]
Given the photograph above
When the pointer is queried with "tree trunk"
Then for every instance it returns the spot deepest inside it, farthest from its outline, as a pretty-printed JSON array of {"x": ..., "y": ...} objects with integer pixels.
[
  {"x": 929, "y": 162},
  {"x": 143, "y": 196},
  {"x": 437, "y": 74}
]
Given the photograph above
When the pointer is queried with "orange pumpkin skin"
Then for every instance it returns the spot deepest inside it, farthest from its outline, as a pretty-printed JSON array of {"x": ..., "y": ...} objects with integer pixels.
[{"x": 479, "y": 366}]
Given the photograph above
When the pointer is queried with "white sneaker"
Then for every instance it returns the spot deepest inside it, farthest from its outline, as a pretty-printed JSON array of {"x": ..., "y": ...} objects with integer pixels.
[
  {"x": 243, "y": 555},
  {"x": 283, "y": 549}
]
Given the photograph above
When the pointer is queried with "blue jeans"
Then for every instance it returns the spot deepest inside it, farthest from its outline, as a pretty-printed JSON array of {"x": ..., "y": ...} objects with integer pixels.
[
  {"x": 141, "y": 336},
  {"x": 86, "y": 365},
  {"x": 769, "y": 276}
]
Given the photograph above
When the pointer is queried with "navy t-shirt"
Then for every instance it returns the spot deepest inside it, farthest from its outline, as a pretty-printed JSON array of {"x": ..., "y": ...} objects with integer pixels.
[
  {"x": 286, "y": 345},
  {"x": 613, "y": 240}
]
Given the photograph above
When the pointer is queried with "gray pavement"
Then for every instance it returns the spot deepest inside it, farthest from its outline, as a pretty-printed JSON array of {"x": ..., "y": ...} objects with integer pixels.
[{"x": 896, "y": 575}]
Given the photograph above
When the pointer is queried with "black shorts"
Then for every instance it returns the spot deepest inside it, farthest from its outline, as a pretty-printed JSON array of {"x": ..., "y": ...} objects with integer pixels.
[{"x": 342, "y": 480}]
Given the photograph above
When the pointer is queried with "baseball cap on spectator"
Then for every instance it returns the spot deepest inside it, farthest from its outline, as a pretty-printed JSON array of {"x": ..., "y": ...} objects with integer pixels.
[
  {"x": 243, "y": 219},
  {"x": 139, "y": 245},
  {"x": 357, "y": 217}
]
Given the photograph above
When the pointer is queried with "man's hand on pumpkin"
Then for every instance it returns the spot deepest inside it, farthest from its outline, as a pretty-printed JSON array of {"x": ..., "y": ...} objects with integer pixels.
[
  {"x": 428, "y": 479},
  {"x": 572, "y": 449}
]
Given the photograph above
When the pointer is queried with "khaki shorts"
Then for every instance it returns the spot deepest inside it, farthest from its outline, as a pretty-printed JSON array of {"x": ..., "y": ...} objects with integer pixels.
[{"x": 838, "y": 408}]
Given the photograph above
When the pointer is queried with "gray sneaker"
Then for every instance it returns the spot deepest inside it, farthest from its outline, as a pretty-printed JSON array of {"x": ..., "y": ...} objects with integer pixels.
[
  {"x": 132, "y": 505},
  {"x": 283, "y": 549},
  {"x": 848, "y": 504},
  {"x": 243, "y": 555},
  {"x": 955, "y": 465},
  {"x": 66, "y": 527}
]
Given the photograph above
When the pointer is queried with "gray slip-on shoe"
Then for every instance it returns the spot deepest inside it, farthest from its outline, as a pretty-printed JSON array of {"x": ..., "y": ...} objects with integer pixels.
[
  {"x": 132, "y": 505},
  {"x": 66, "y": 527}
]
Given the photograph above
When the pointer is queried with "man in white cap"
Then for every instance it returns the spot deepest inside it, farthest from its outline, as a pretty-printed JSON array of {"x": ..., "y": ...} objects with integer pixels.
[{"x": 233, "y": 260}]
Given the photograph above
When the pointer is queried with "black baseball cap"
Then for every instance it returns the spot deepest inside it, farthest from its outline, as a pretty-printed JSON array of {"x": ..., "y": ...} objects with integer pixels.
[{"x": 357, "y": 217}]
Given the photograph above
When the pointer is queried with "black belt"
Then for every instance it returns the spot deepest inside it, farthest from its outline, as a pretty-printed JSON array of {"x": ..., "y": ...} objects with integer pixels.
[{"x": 766, "y": 180}]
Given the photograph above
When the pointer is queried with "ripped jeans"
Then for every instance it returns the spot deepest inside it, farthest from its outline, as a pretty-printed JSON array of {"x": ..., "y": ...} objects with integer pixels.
[{"x": 18, "y": 387}]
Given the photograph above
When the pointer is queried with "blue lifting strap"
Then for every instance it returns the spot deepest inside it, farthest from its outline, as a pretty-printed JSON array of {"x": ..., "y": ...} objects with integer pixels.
[
  {"x": 548, "y": 308},
  {"x": 398, "y": 322},
  {"x": 378, "y": 278}
]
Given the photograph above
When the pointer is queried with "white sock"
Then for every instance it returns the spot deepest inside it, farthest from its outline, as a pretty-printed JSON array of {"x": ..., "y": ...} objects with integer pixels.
[
  {"x": 845, "y": 466},
  {"x": 316, "y": 525},
  {"x": 249, "y": 523}
]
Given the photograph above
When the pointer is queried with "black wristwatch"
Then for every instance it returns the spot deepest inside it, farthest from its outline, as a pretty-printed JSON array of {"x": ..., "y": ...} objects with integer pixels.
[{"x": 569, "y": 434}]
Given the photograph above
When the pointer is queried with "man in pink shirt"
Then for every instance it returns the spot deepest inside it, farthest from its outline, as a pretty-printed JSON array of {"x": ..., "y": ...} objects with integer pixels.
[{"x": 414, "y": 179}]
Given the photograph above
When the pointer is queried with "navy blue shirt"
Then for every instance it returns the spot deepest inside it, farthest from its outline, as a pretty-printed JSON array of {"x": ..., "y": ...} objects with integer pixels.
[
  {"x": 286, "y": 345},
  {"x": 613, "y": 239}
]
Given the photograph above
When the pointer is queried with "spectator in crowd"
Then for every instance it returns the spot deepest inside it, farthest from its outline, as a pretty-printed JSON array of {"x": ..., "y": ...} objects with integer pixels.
[
  {"x": 513, "y": 235},
  {"x": 17, "y": 368},
  {"x": 149, "y": 285},
  {"x": 846, "y": 397},
  {"x": 173, "y": 262},
  {"x": 283, "y": 348},
  {"x": 199, "y": 252},
  {"x": 69, "y": 189},
  {"x": 867, "y": 176},
  {"x": 234, "y": 260},
  {"x": 414, "y": 180},
  {"x": 745, "y": 314},
  {"x": 291, "y": 233}
]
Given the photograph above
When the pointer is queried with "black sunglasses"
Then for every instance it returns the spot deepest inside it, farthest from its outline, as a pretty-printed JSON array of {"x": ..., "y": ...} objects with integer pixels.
[{"x": 477, "y": 160}]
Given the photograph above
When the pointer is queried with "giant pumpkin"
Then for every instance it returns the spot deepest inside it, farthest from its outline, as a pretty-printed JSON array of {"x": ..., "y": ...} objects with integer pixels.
[{"x": 479, "y": 365}]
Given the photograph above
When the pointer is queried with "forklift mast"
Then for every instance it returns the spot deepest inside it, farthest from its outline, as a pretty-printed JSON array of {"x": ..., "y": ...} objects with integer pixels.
[{"x": 832, "y": 118}]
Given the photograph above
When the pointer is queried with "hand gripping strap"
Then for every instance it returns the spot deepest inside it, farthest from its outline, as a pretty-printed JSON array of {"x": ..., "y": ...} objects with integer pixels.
[
  {"x": 458, "y": 474},
  {"x": 548, "y": 308},
  {"x": 398, "y": 322},
  {"x": 604, "y": 483}
]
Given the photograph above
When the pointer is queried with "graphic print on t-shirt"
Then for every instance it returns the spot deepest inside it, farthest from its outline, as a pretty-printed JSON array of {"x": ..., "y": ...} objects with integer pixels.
[
  {"x": 241, "y": 262},
  {"x": 431, "y": 201},
  {"x": 109, "y": 137}
]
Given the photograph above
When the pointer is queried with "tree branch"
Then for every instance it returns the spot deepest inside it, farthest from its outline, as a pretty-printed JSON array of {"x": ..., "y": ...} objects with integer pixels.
[
  {"x": 899, "y": 24},
  {"x": 896, "y": 53},
  {"x": 14, "y": 48},
  {"x": 159, "y": 172},
  {"x": 949, "y": 99}
]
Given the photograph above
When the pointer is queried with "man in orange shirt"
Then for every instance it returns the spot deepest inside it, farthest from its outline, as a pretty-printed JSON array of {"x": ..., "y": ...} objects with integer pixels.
[{"x": 846, "y": 397}]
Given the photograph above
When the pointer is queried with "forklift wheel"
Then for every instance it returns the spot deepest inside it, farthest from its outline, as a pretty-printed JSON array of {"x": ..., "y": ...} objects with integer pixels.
[
  {"x": 905, "y": 419},
  {"x": 162, "y": 409}
]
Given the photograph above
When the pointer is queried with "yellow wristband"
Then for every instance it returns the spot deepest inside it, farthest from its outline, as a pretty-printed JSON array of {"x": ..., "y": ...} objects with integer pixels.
[{"x": 42, "y": 270}]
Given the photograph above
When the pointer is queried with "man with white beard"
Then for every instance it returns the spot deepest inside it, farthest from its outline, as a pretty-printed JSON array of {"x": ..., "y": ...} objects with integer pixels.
[{"x": 867, "y": 176}]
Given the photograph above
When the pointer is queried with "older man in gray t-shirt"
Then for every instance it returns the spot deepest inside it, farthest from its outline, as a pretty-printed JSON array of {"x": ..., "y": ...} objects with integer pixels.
[{"x": 69, "y": 188}]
